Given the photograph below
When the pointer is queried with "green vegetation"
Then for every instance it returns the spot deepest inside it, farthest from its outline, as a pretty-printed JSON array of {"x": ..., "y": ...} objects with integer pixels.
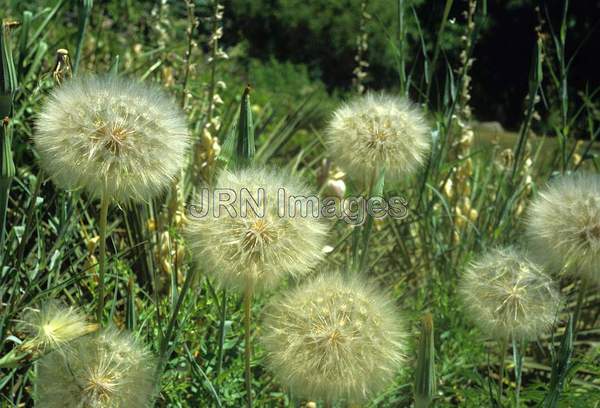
[{"x": 471, "y": 195}]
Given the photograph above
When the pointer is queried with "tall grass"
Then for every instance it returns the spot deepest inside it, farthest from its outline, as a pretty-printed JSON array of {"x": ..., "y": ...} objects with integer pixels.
[{"x": 461, "y": 203}]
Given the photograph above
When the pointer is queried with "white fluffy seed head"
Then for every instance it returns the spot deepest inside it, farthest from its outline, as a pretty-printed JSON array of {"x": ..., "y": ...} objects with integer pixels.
[
  {"x": 507, "y": 295},
  {"x": 53, "y": 327},
  {"x": 378, "y": 131},
  {"x": 563, "y": 226},
  {"x": 104, "y": 370},
  {"x": 334, "y": 338},
  {"x": 111, "y": 135},
  {"x": 261, "y": 248}
]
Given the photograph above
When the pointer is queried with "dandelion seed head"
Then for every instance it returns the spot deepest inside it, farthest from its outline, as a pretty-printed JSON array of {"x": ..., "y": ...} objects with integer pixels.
[
  {"x": 53, "y": 326},
  {"x": 111, "y": 135},
  {"x": 508, "y": 295},
  {"x": 334, "y": 339},
  {"x": 262, "y": 247},
  {"x": 563, "y": 226},
  {"x": 377, "y": 131},
  {"x": 107, "y": 369}
]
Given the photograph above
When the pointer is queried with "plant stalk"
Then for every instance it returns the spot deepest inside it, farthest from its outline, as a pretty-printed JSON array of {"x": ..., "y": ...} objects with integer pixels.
[
  {"x": 221, "y": 333},
  {"x": 503, "y": 347},
  {"x": 247, "y": 344},
  {"x": 518, "y": 351},
  {"x": 8, "y": 87},
  {"x": 84, "y": 18},
  {"x": 583, "y": 288},
  {"x": 102, "y": 255}
]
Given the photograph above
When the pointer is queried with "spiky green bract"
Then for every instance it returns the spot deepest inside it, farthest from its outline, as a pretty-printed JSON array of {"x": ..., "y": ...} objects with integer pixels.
[
  {"x": 262, "y": 247},
  {"x": 377, "y": 131},
  {"x": 111, "y": 135},
  {"x": 106, "y": 369},
  {"x": 564, "y": 226},
  {"x": 334, "y": 339},
  {"x": 53, "y": 326},
  {"x": 508, "y": 296}
]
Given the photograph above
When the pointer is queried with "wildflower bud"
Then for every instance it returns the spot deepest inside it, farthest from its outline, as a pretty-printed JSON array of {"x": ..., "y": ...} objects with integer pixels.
[
  {"x": 151, "y": 225},
  {"x": 473, "y": 215},
  {"x": 334, "y": 188},
  {"x": 459, "y": 219},
  {"x": 92, "y": 243},
  {"x": 455, "y": 238},
  {"x": 448, "y": 188},
  {"x": 50, "y": 328}
]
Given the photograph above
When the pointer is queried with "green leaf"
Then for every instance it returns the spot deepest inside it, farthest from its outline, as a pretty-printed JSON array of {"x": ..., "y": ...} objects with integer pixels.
[
  {"x": 239, "y": 149},
  {"x": 561, "y": 366},
  {"x": 84, "y": 17},
  {"x": 8, "y": 87},
  {"x": 23, "y": 38},
  {"x": 8, "y": 75},
  {"x": 425, "y": 375}
]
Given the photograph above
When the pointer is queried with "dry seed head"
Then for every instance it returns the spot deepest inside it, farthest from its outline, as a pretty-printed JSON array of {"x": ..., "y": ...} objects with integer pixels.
[
  {"x": 53, "y": 327},
  {"x": 508, "y": 295},
  {"x": 256, "y": 250},
  {"x": 563, "y": 226},
  {"x": 111, "y": 135},
  {"x": 378, "y": 131},
  {"x": 105, "y": 370},
  {"x": 334, "y": 339}
]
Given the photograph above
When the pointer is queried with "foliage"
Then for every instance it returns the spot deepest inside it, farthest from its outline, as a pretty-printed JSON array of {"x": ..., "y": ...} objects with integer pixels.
[{"x": 467, "y": 198}]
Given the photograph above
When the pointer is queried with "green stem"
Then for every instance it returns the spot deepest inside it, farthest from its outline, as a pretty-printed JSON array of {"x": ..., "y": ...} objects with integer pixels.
[
  {"x": 375, "y": 189},
  {"x": 579, "y": 305},
  {"x": 102, "y": 256},
  {"x": 247, "y": 344},
  {"x": 518, "y": 351},
  {"x": 14, "y": 358},
  {"x": 30, "y": 218},
  {"x": 503, "y": 347},
  {"x": 164, "y": 352},
  {"x": 437, "y": 48},
  {"x": 221, "y": 333},
  {"x": 84, "y": 18}
]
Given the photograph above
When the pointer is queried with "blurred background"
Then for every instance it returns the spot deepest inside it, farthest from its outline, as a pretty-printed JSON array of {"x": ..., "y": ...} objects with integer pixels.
[{"x": 301, "y": 47}]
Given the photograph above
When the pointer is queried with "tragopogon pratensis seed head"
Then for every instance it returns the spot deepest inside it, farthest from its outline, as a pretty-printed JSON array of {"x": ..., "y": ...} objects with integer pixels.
[
  {"x": 107, "y": 369},
  {"x": 378, "y": 131},
  {"x": 111, "y": 135},
  {"x": 53, "y": 326},
  {"x": 334, "y": 339},
  {"x": 507, "y": 295},
  {"x": 563, "y": 226},
  {"x": 259, "y": 248}
]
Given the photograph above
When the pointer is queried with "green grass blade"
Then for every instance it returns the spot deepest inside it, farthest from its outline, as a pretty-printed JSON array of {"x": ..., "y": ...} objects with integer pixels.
[
  {"x": 425, "y": 381},
  {"x": 84, "y": 17}
]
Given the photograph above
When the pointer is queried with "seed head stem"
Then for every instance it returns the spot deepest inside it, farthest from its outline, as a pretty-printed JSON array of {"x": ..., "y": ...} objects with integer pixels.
[
  {"x": 247, "y": 344},
  {"x": 102, "y": 255},
  {"x": 503, "y": 347},
  {"x": 579, "y": 305}
]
